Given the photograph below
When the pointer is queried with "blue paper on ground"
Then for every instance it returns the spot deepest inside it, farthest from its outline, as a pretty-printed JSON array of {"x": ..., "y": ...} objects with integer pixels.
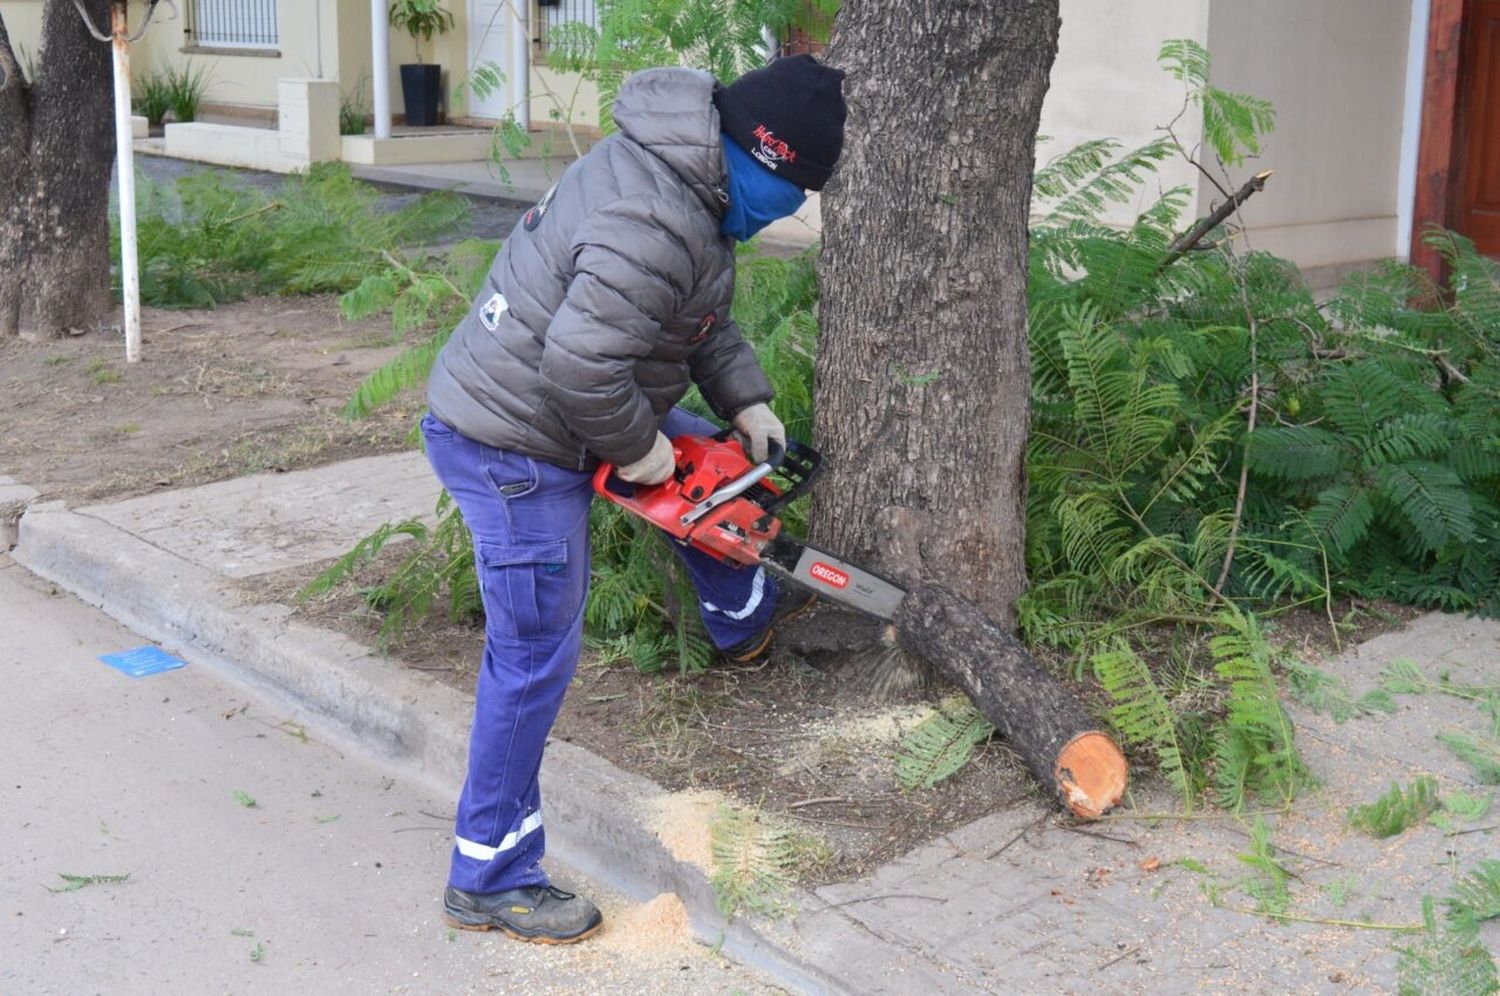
[{"x": 143, "y": 661}]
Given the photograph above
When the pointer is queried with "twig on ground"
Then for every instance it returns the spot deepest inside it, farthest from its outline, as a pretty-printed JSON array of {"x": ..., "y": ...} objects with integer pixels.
[
  {"x": 1119, "y": 957},
  {"x": 1102, "y": 836},
  {"x": 1332, "y": 922},
  {"x": 816, "y": 802},
  {"x": 1024, "y": 831}
]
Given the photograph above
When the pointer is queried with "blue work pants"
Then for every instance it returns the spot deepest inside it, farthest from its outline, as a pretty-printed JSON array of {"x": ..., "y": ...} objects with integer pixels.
[{"x": 529, "y": 521}]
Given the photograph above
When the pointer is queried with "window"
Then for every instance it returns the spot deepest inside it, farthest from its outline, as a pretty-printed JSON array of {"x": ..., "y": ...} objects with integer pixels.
[
  {"x": 560, "y": 12},
  {"x": 234, "y": 23}
]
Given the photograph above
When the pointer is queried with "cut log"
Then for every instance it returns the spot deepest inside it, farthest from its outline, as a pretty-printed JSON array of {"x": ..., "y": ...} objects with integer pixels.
[{"x": 1039, "y": 719}]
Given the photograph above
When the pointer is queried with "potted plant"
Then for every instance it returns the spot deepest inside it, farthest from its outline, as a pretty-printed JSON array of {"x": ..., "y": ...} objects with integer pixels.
[{"x": 421, "y": 84}]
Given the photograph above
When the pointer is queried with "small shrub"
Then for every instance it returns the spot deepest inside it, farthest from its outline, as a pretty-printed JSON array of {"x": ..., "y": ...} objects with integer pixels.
[
  {"x": 353, "y": 109},
  {"x": 185, "y": 87},
  {"x": 206, "y": 239},
  {"x": 153, "y": 96}
]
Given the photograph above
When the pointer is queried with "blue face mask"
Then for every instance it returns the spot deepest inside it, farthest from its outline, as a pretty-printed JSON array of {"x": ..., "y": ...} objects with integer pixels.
[{"x": 757, "y": 196}]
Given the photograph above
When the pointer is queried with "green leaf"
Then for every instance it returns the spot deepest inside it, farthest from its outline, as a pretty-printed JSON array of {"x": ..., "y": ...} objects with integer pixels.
[
  {"x": 1398, "y": 810},
  {"x": 939, "y": 746}
]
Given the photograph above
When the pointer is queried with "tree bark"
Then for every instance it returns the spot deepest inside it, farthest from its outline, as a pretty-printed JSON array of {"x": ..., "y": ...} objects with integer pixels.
[
  {"x": 1063, "y": 748},
  {"x": 56, "y": 150},
  {"x": 923, "y": 379}
]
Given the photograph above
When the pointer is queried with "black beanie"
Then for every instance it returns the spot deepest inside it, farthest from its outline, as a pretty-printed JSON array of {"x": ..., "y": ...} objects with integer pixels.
[{"x": 789, "y": 116}]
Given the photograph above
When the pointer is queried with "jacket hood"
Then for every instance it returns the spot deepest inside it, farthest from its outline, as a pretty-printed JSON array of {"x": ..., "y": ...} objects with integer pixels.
[{"x": 671, "y": 113}]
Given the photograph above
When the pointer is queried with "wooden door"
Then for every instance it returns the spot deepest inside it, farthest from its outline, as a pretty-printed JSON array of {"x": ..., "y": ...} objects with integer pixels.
[{"x": 1476, "y": 207}]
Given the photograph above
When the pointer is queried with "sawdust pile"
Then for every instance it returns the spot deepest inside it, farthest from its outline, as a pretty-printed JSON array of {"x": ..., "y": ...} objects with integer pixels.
[
  {"x": 881, "y": 726},
  {"x": 681, "y": 822},
  {"x": 653, "y": 929}
]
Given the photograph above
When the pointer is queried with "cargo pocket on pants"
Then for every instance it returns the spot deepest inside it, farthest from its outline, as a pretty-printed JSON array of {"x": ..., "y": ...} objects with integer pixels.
[{"x": 527, "y": 588}]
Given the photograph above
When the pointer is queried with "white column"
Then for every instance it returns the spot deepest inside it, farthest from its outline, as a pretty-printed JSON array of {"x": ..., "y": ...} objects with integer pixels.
[
  {"x": 520, "y": 62},
  {"x": 1411, "y": 127},
  {"x": 130, "y": 277},
  {"x": 380, "y": 67}
]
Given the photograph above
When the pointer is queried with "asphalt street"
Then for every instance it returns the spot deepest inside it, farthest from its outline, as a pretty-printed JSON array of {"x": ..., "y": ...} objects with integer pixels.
[{"x": 178, "y": 834}]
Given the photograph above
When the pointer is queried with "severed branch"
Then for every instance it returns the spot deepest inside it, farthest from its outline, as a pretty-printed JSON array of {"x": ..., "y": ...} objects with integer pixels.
[{"x": 1187, "y": 240}]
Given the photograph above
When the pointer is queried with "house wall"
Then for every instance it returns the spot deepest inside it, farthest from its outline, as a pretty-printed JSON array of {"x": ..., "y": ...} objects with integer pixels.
[
  {"x": 1337, "y": 81},
  {"x": 249, "y": 81},
  {"x": 1106, "y": 82},
  {"x": 244, "y": 81},
  {"x": 23, "y": 22}
]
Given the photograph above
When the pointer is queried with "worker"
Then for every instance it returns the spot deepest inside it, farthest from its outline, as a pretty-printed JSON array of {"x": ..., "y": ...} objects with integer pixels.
[{"x": 610, "y": 297}]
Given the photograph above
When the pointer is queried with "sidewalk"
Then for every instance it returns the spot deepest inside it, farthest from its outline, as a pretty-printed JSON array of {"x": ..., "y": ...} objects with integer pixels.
[{"x": 1017, "y": 902}]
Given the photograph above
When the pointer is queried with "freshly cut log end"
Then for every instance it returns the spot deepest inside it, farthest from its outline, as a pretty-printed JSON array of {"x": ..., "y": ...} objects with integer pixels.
[
  {"x": 1037, "y": 716},
  {"x": 1091, "y": 774}
]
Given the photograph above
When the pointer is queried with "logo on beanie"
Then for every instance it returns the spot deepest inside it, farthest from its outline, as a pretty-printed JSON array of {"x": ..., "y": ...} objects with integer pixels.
[{"x": 772, "y": 151}]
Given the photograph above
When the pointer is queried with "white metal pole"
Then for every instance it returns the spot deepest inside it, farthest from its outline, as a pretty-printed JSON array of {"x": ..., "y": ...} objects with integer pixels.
[
  {"x": 380, "y": 67},
  {"x": 124, "y": 153},
  {"x": 520, "y": 63},
  {"x": 318, "y": 32}
]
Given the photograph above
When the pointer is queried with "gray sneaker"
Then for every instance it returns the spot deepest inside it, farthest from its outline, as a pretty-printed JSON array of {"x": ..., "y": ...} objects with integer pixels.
[{"x": 542, "y": 914}]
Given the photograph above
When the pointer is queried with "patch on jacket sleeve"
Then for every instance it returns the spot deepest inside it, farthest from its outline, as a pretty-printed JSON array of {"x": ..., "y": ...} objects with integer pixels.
[
  {"x": 489, "y": 314},
  {"x": 705, "y": 327},
  {"x": 534, "y": 216}
]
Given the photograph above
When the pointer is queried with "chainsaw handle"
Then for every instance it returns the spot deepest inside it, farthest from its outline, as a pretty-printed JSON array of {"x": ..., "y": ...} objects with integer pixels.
[
  {"x": 799, "y": 464},
  {"x": 775, "y": 452}
]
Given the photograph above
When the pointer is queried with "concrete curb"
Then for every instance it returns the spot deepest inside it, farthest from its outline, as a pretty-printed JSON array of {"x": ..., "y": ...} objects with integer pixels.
[{"x": 594, "y": 809}]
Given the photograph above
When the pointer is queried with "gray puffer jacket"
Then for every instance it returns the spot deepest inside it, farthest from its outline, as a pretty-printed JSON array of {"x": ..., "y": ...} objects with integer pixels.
[{"x": 609, "y": 296}]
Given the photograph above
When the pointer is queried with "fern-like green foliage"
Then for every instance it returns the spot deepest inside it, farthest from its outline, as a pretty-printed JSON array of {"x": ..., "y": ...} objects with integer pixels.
[
  {"x": 1255, "y": 750},
  {"x": 1269, "y": 887},
  {"x": 1449, "y": 958},
  {"x": 1476, "y": 897},
  {"x": 1233, "y": 123},
  {"x": 1480, "y": 753},
  {"x": 1405, "y": 677},
  {"x": 207, "y": 239},
  {"x": 438, "y": 566},
  {"x": 723, "y": 37},
  {"x": 435, "y": 295},
  {"x": 756, "y": 860},
  {"x": 1398, "y": 810},
  {"x": 1323, "y": 693},
  {"x": 938, "y": 747},
  {"x": 1460, "y": 807},
  {"x": 1143, "y": 717}
]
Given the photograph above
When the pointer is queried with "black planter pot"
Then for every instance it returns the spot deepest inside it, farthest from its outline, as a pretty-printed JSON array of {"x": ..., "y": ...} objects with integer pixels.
[{"x": 421, "y": 86}]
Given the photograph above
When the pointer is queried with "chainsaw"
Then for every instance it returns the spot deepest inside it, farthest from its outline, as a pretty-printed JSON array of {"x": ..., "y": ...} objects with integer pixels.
[{"x": 720, "y": 501}]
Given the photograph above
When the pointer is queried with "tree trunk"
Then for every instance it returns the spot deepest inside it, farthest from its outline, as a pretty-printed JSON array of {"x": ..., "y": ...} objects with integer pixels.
[
  {"x": 56, "y": 150},
  {"x": 923, "y": 380}
]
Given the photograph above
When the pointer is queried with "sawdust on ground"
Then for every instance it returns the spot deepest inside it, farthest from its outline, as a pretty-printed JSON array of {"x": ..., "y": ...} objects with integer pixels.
[
  {"x": 652, "y": 931},
  {"x": 878, "y": 727},
  {"x": 682, "y": 821}
]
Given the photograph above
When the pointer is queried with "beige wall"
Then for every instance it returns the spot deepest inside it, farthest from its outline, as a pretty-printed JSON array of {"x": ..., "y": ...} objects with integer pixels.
[
  {"x": 244, "y": 80},
  {"x": 23, "y": 22},
  {"x": 1335, "y": 71},
  {"x": 1106, "y": 82}
]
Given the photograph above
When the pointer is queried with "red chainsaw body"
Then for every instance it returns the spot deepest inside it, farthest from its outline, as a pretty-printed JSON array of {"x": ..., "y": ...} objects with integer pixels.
[{"x": 735, "y": 531}]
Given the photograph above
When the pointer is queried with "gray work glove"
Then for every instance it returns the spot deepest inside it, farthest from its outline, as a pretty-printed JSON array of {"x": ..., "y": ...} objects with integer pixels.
[
  {"x": 653, "y": 468},
  {"x": 757, "y": 425}
]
